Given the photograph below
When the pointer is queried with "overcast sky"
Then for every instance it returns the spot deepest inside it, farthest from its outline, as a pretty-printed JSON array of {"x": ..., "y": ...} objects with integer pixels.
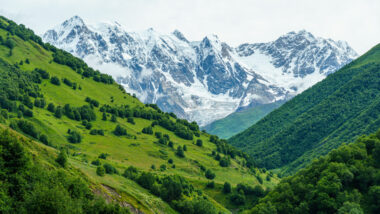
[{"x": 234, "y": 21}]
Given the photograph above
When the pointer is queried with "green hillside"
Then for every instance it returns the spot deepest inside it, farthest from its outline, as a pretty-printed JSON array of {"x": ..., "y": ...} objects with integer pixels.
[
  {"x": 347, "y": 180},
  {"x": 338, "y": 109},
  {"x": 240, "y": 121},
  {"x": 147, "y": 159}
]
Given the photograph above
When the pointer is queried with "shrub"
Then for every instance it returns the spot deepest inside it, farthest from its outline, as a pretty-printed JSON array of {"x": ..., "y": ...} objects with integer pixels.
[
  {"x": 163, "y": 167},
  {"x": 180, "y": 153},
  {"x": 58, "y": 112},
  {"x": 210, "y": 185},
  {"x": 110, "y": 169},
  {"x": 103, "y": 156},
  {"x": 170, "y": 161},
  {"x": 158, "y": 135},
  {"x": 119, "y": 131},
  {"x": 44, "y": 139},
  {"x": 224, "y": 162},
  {"x": 55, "y": 80},
  {"x": 227, "y": 188},
  {"x": 146, "y": 180},
  {"x": 51, "y": 107},
  {"x": 131, "y": 120},
  {"x": 44, "y": 74},
  {"x": 28, "y": 128},
  {"x": 74, "y": 137},
  {"x": 237, "y": 199},
  {"x": 147, "y": 130},
  {"x": 96, "y": 162},
  {"x": 171, "y": 144},
  {"x": 62, "y": 159},
  {"x": 113, "y": 118},
  {"x": 199, "y": 143},
  {"x": 209, "y": 174},
  {"x": 131, "y": 173},
  {"x": 100, "y": 171}
]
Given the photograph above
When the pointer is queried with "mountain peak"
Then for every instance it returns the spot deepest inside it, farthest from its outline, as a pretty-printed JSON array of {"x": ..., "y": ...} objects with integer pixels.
[
  {"x": 180, "y": 35},
  {"x": 74, "y": 21}
]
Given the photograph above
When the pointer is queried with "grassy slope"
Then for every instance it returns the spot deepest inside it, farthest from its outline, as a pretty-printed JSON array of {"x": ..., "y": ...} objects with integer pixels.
[
  {"x": 319, "y": 119},
  {"x": 240, "y": 121},
  {"x": 140, "y": 152}
]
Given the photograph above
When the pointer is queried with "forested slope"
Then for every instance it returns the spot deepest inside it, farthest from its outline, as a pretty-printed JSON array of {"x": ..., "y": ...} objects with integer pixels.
[
  {"x": 338, "y": 109},
  {"x": 347, "y": 180}
]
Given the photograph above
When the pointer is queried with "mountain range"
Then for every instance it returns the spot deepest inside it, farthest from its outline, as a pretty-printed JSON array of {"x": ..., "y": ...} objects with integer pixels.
[{"x": 205, "y": 80}]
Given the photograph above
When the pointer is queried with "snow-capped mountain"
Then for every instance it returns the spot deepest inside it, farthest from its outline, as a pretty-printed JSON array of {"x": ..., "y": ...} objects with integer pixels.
[{"x": 203, "y": 80}]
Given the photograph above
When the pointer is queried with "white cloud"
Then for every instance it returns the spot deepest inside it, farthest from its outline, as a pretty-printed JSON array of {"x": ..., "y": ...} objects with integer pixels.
[{"x": 234, "y": 21}]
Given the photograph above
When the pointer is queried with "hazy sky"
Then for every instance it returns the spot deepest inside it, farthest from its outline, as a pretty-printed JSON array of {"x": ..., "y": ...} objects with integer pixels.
[{"x": 234, "y": 21}]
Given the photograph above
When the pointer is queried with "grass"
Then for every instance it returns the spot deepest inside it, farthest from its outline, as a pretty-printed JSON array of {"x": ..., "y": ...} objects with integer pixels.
[{"x": 141, "y": 152}]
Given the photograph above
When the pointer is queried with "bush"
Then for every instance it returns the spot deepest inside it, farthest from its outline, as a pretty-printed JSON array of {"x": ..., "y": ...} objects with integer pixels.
[
  {"x": 146, "y": 180},
  {"x": 209, "y": 174},
  {"x": 131, "y": 173},
  {"x": 28, "y": 128},
  {"x": 158, "y": 135},
  {"x": 170, "y": 161},
  {"x": 74, "y": 137},
  {"x": 224, "y": 162},
  {"x": 171, "y": 144},
  {"x": 211, "y": 185},
  {"x": 131, "y": 120},
  {"x": 96, "y": 162},
  {"x": 147, "y": 130},
  {"x": 227, "y": 188},
  {"x": 199, "y": 143},
  {"x": 62, "y": 159},
  {"x": 163, "y": 167},
  {"x": 51, "y": 107},
  {"x": 110, "y": 169},
  {"x": 100, "y": 171},
  {"x": 180, "y": 153},
  {"x": 237, "y": 199},
  {"x": 103, "y": 156},
  {"x": 44, "y": 139},
  {"x": 55, "y": 80},
  {"x": 58, "y": 112},
  {"x": 44, "y": 74},
  {"x": 119, "y": 131},
  {"x": 67, "y": 82}
]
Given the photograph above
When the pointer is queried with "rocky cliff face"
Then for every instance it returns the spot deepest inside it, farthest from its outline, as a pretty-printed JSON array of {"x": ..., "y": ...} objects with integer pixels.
[{"x": 204, "y": 80}]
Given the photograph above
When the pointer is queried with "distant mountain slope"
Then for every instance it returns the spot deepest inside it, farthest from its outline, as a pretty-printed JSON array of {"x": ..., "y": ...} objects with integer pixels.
[
  {"x": 205, "y": 80},
  {"x": 143, "y": 158},
  {"x": 338, "y": 109},
  {"x": 240, "y": 120}
]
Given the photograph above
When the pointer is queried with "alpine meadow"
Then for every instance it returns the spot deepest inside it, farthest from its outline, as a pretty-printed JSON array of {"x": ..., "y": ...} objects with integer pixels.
[{"x": 113, "y": 107}]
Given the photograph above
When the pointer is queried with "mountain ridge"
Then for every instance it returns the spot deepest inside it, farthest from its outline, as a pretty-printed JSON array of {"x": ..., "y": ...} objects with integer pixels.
[
  {"x": 338, "y": 109},
  {"x": 201, "y": 80}
]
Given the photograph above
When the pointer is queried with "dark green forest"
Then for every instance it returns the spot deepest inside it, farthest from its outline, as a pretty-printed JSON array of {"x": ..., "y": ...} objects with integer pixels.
[
  {"x": 347, "y": 180},
  {"x": 338, "y": 109}
]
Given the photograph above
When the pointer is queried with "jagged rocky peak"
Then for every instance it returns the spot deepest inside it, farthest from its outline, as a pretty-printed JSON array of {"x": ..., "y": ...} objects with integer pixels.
[
  {"x": 202, "y": 80},
  {"x": 180, "y": 36},
  {"x": 73, "y": 21}
]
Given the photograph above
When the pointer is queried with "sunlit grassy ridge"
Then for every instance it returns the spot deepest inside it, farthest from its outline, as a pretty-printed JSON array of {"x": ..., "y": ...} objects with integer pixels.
[{"x": 135, "y": 149}]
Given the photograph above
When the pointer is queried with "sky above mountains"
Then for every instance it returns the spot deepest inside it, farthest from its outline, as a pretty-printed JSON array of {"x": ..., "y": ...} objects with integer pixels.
[{"x": 236, "y": 22}]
